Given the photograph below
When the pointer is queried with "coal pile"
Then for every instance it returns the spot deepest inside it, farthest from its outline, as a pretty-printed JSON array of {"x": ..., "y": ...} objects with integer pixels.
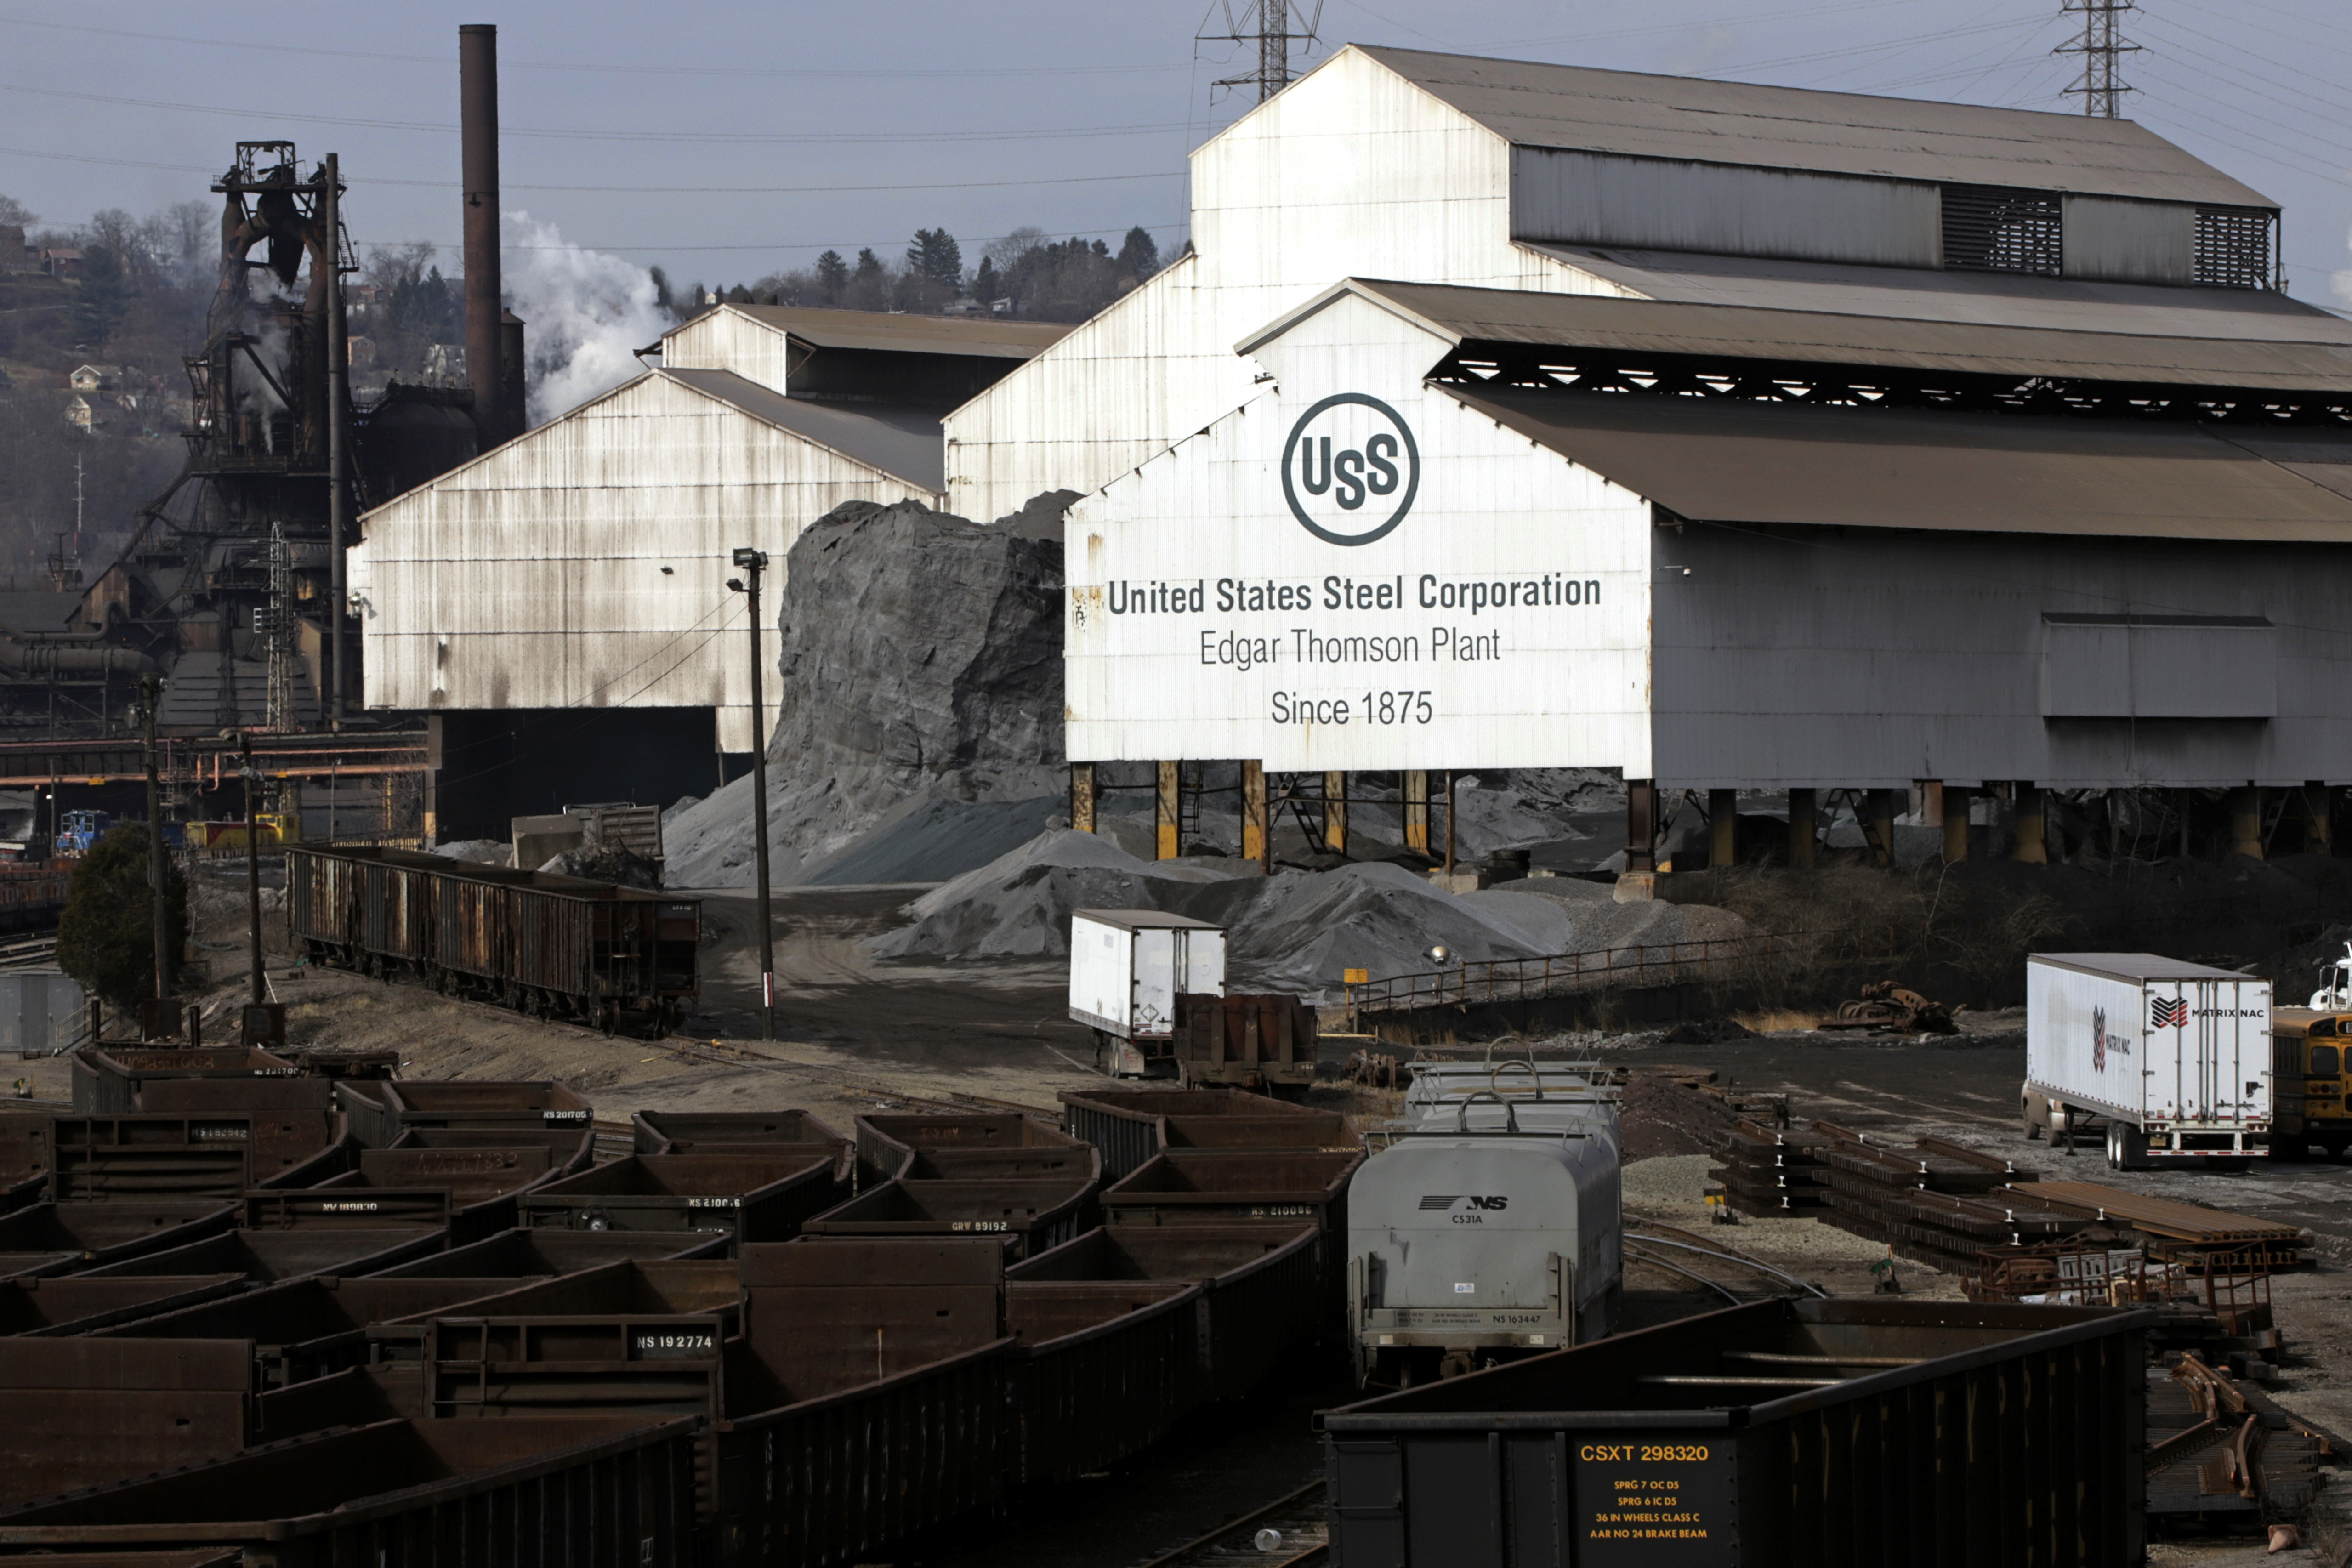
[{"x": 920, "y": 658}]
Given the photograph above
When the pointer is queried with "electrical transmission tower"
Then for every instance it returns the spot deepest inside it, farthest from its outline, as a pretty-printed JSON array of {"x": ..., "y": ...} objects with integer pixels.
[
  {"x": 1267, "y": 24},
  {"x": 2102, "y": 47}
]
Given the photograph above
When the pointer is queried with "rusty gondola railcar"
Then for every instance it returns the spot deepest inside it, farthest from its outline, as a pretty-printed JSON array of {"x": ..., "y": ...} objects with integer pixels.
[{"x": 549, "y": 946}]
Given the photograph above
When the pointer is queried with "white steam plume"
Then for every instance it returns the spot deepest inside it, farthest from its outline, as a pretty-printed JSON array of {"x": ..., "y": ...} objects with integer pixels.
[{"x": 583, "y": 311}]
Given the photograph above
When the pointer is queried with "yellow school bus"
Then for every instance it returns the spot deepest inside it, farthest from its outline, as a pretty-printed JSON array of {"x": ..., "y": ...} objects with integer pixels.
[{"x": 2307, "y": 1081}]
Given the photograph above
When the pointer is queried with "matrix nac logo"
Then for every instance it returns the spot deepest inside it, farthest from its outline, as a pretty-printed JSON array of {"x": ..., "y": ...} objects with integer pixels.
[
  {"x": 2098, "y": 1039},
  {"x": 2167, "y": 1015},
  {"x": 1350, "y": 469}
]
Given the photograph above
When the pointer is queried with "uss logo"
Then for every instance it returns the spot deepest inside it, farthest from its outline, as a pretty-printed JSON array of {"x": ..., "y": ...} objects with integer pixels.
[{"x": 1350, "y": 469}]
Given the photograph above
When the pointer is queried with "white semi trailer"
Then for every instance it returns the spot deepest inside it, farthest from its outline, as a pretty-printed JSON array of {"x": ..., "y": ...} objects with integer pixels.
[
  {"x": 2172, "y": 1059},
  {"x": 1126, "y": 969},
  {"x": 1488, "y": 1228}
]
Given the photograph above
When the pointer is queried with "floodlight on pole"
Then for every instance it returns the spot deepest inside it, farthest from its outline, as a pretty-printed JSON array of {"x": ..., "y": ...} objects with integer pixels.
[{"x": 752, "y": 563}]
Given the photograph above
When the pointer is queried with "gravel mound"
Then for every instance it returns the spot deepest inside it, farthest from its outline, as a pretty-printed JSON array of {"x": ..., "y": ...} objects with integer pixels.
[
  {"x": 933, "y": 840},
  {"x": 1296, "y": 932},
  {"x": 1018, "y": 905}
]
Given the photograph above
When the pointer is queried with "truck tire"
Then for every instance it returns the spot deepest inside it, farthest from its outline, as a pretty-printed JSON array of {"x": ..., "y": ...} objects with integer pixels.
[
  {"x": 2033, "y": 1110},
  {"x": 2125, "y": 1147}
]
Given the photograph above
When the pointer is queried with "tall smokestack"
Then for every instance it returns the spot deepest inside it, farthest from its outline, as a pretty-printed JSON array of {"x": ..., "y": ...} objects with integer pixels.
[{"x": 478, "y": 89}]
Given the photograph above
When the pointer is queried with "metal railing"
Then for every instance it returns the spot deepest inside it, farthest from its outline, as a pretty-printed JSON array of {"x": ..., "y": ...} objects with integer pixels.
[{"x": 1612, "y": 968}]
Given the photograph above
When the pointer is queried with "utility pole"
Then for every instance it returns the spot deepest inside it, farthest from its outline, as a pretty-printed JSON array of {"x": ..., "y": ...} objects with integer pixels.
[
  {"x": 1268, "y": 25},
  {"x": 252, "y": 776},
  {"x": 2099, "y": 87},
  {"x": 338, "y": 502},
  {"x": 158, "y": 877},
  {"x": 753, "y": 563}
]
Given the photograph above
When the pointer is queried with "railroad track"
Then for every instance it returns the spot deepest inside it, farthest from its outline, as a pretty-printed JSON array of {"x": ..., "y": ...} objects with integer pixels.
[{"x": 1289, "y": 1532}]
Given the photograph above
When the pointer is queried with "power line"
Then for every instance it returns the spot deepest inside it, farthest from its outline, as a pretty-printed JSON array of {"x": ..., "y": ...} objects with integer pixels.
[
  {"x": 699, "y": 138},
  {"x": 248, "y": 46},
  {"x": 645, "y": 190}
]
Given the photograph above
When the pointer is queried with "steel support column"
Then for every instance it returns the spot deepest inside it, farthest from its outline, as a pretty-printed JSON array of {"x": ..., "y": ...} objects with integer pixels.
[
  {"x": 1082, "y": 796},
  {"x": 1955, "y": 804},
  {"x": 1722, "y": 828},
  {"x": 1801, "y": 829},
  {"x": 2032, "y": 826},
  {"x": 2246, "y": 822},
  {"x": 1416, "y": 809},
  {"x": 1169, "y": 815},
  {"x": 1335, "y": 812},
  {"x": 1257, "y": 840},
  {"x": 1641, "y": 825}
]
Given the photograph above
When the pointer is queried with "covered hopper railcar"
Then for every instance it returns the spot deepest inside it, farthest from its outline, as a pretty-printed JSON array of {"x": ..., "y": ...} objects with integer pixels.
[{"x": 549, "y": 946}]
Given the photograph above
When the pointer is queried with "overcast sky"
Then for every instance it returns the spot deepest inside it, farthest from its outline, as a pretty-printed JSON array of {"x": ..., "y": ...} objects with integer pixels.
[{"x": 726, "y": 140}]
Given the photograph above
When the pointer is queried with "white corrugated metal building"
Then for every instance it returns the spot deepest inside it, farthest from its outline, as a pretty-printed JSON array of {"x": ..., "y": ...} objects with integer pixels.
[
  {"x": 1730, "y": 436},
  {"x": 581, "y": 568},
  {"x": 1387, "y": 162}
]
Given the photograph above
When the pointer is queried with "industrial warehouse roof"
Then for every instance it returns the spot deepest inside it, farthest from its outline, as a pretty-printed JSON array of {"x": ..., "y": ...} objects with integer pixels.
[
  {"x": 979, "y": 337},
  {"x": 1797, "y": 128},
  {"x": 902, "y": 441},
  {"x": 1571, "y": 322},
  {"x": 1761, "y": 463},
  {"x": 1992, "y": 298}
]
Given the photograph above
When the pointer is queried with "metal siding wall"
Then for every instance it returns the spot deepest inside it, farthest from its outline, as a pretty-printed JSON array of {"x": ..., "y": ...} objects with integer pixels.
[
  {"x": 1597, "y": 198},
  {"x": 724, "y": 339},
  {"x": 2130, "y": 242},
  {"x": 1572, "y": 688},
  {"x": 532, "y": 578},
  {"x": 1351, "y": 172},
  {"x": 1863, "y": 658}
]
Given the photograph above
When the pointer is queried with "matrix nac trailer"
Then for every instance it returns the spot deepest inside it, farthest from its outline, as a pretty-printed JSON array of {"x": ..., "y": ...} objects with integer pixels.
[
  {"x": 1127, "y": 967},
  {"x": 2174, "y": 1058}
]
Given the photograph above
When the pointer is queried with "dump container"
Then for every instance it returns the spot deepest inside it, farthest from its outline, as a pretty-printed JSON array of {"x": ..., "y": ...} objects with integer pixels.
[
  {"x": 644, "y": 1337},
  {"x": 1216, "y": 1186},
  {"x": 581, "y": 1492},
  {"x": 1261, "y": 1308},
  {"x": 94, "y": 1159},
  {"x": 86, "y": 1411},
  {"x": 266, "y": 1254},
  {"x": 1105, "y": 1367},
  {"x": 302, "y": 1329},
  {"x": 1798, "y": 1432},
  {"x": 288, "y": 1120},
  {"x": 1260, "y": 1041},
  {"x": 1029, "y": 1217},
  {"x": 482, "y": 1179},
  {"x": 25, "y": 1142},
  {"x": 109, "y": 1080},
  {"x": 888, "y": 1360},
  {"x": 420, "y": 1208},
  {"x": 1076, "y": 1162},
  {"x": 331, "y": 1063},
  {"x": 546, "y": 1253},
  {"x": 728, "y": 1131},
  {"x": 885, "y": 1141},
  {"x": 1129, "y": 1125},
  {"x": 59, "y": 1239},
  {"x": 74, "y": 1304},
  {"x": 380, "y": 1112},
  {"x": 746, "y": 1197}
]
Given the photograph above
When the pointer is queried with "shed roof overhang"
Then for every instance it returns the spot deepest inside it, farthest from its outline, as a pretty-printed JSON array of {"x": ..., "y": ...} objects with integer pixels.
[{"x": 1765, "y": 464}]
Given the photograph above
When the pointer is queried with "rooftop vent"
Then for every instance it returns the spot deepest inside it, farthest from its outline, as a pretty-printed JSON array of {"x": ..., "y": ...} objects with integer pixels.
[
  {"x": 1995, "y": 228},
  {"x": 2233, "y": 247}
]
